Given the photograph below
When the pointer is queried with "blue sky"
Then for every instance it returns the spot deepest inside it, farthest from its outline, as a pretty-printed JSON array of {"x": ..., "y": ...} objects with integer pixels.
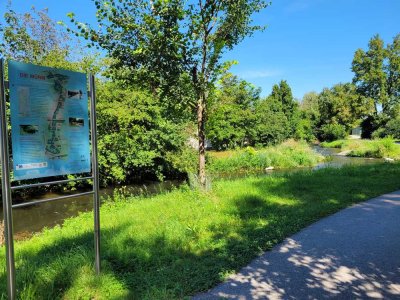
[{"x": 309, "y": 43}]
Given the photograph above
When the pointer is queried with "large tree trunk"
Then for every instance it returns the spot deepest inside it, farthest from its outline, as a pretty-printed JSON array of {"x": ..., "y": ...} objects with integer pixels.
[{"x": 202, "y": 140}]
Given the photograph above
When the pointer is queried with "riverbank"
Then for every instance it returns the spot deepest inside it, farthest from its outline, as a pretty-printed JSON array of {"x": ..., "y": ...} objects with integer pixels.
[
  {"x": 179, "y": 243},
  {"x": 290, "y": 154},
  {"x": 31, "y": 219},
  {"x": 379, "y": 148}
]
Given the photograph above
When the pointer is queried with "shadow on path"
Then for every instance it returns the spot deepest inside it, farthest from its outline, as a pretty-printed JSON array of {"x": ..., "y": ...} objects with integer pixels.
[{"x": 352, "y": 254}]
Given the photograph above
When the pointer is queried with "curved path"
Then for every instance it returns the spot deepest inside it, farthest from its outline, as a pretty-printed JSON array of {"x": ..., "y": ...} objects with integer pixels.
[{"x": 353, "y": 254}]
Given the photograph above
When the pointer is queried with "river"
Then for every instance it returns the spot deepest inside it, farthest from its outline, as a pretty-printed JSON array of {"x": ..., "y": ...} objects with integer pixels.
[{"x": 31, "y": 219}]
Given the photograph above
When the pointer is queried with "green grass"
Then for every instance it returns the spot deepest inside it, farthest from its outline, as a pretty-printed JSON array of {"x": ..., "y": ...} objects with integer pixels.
[
  {"x": 177, "y": 244},
  {"x": 335, "y": 144},
  {"x": 290, "y": 154},
  {"x": 378, "y": 148}
]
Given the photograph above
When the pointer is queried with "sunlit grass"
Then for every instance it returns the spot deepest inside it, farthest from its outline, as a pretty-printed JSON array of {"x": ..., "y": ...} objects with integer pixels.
[
  {"x": 290, "y": 154},
  {"x": 378, "y": 148},
  {"x": 179, "y": 243}
]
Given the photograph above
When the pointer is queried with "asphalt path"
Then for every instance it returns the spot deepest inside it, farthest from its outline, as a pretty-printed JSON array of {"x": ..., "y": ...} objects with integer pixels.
[{"x": 353, "y": 254}]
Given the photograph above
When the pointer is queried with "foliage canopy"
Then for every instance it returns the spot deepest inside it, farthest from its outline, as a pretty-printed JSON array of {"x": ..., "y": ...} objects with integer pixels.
[{"x": 162, "y": 42}]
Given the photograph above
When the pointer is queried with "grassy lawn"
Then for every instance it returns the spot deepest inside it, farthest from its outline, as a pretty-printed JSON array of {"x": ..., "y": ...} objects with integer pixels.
[
  {"x": 177, "y": 244},
  {"x": 290, "y": 154},
  {"x": 378, "y": 148}
]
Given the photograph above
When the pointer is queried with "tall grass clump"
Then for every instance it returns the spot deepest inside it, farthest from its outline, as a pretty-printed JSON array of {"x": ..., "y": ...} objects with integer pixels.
[
  {"x": 334, "y": 144},
  {"x": 290, "y": 154},
  {"x": 377, "y": 148}
]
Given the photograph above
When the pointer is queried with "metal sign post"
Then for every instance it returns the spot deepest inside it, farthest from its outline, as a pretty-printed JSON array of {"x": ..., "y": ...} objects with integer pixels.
[
  {"x": 7, "y": 188},
  {"x": 95, "y": 173}
]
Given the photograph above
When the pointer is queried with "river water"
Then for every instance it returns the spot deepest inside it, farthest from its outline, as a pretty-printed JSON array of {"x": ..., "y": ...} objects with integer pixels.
[
  {"x": 31, "y": 219},
  {"x": 337, "y": 160}
]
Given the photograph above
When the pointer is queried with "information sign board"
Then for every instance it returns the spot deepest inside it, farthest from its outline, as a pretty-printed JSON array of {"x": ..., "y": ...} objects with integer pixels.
[{"x": 49, "y": 121}]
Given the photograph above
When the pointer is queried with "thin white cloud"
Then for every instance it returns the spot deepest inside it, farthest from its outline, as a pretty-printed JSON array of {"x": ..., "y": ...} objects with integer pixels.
[
  {"x": 253, "y": 74},
  {"x": 300, "y": 5}
]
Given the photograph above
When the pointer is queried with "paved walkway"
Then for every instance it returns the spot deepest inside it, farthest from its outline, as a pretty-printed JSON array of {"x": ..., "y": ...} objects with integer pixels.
[{"x": 353, "y": 254}]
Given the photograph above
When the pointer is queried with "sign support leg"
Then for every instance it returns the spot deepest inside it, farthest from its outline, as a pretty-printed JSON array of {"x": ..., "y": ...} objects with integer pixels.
[
  {"x": 95, "y": 173},
  {"x": 6, "y": 190}
]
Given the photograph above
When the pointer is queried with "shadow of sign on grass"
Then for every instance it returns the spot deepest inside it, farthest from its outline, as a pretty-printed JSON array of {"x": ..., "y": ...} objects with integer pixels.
[{"x": 49, "y": 271}]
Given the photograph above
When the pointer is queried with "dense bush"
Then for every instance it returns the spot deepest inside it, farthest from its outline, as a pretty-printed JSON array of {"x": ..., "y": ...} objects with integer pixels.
[
  {"x": 134, "y": 138},
  {"x": 231, "y": 117},
  {"x": 304, "y": 130},
  {"x": 184, "y": 160},
  {"x": 379, "y": 133},
  {"x": 392, "y": 128},
  {"x": 331, "y": 132},
  {"x": 272, "y": 125},
  {"x": 371, "y": 124},
  {"x": 241, "y": 118},
  {"x": 368, "y": 127},
  {"x": 228, "y": 127}
]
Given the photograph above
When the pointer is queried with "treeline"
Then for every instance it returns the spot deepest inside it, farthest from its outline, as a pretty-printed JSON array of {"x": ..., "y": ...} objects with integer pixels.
[
  {"x": 144, "y": 129},
  {"x": 240, "y": 117}
]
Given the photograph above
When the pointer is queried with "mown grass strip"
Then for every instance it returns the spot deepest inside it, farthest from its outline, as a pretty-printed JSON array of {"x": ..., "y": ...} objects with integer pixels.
[{"x": 177, "y": 244}]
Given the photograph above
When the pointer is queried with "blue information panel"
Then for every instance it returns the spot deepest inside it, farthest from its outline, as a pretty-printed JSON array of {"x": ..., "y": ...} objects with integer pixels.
[{"x": 49, "y": 121}]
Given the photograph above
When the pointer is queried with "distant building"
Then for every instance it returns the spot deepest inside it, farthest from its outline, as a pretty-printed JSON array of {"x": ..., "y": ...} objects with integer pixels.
[
  {"x": 194, "y": 143},
  {"x": 356, "y": 132}
]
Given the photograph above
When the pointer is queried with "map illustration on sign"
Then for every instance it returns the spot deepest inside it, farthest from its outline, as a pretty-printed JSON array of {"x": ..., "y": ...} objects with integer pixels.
[{"x": 49, "y": 121}]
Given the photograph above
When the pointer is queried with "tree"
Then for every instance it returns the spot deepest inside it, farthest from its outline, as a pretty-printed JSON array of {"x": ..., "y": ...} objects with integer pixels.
[
  {"x": 282, "y": 93},
  {"x": 342, "y": 105},
  {"x": 30, "y": 36},
  {"x": 272, "y": 124},
  {"x": 332, "y": 132},
  {"x": 161, "y": 43},
  {"x": 310, "y": 106},
  {"x": 392, "y": 70},
  {"x": 376, "y": 73},
  {"x": 35, "y": 38},
  {"x": 231, "y": 115},
  {"x": 309, "y": 117},
  {"x": 305, "y": 130}
]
